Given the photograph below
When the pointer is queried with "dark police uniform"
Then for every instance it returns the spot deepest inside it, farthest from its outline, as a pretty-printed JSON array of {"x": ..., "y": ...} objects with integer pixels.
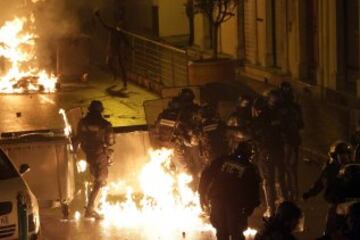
[
  {"x": 212, "y": 138},
  {"x": 239, "y": 126},
  {"x": 267, "y": 134},
  {"x": 178, "y": 129},
  {"x": 291, "y": 124},
  {"x": 340, "y": 154},
  {"x": 95, "y": 135},
  {"x": 230, "y": 186}
]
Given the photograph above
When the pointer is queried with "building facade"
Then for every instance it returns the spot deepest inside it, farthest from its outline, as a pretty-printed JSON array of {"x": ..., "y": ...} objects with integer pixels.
[{"x": 315, "y": 42}]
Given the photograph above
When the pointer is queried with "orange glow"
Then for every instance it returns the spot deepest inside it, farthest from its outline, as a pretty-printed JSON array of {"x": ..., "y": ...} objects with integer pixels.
[
  {"x": 19, "y": 72},
  {"x": 250, "y": 234},
  {"x": 166, "y": 207}
]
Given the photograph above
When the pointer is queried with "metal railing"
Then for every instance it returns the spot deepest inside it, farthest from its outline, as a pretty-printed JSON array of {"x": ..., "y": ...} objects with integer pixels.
[{"x": 157, "y": 62}]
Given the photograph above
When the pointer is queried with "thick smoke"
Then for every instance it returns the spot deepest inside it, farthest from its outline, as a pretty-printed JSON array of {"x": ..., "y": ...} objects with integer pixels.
[{"x": 56, "y": 20}]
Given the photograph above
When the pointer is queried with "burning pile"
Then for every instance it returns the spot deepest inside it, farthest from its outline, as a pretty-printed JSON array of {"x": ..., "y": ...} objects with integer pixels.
[
  {"x": 18, "y": 64},
  {"x": 166, "y": 208}
]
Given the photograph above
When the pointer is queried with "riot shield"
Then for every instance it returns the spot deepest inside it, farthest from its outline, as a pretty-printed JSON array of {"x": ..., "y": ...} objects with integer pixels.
[{"x": 152, "y": 109}]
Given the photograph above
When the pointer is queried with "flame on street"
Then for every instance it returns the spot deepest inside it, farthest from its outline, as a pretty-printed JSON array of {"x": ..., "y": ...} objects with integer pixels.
[
  {"x": 18, "y": 64},
  {"x": 166, "y": 206},
  {"x": 166, "y": 209}
]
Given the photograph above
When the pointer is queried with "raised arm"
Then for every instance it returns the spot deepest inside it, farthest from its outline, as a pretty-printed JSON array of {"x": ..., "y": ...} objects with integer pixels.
[{"x": 97, "y": 14}]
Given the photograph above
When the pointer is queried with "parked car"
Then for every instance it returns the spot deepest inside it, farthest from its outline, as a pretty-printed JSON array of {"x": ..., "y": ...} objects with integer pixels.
[{"x": 19, "y": 208}]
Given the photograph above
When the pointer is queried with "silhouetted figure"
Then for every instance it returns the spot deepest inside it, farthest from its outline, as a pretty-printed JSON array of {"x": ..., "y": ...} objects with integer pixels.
[
  {"x": 267, "y": 134},
  {"x": 340, "y": 154},
  {"x": 239, "y": 122},
  {"x": 292, "y": 123},
  {"x": 281, "y": 226},
  {"x": 230, "y": 188},
  {"x": 95, "y": 135},
  {"x": 118, "y": 42}
]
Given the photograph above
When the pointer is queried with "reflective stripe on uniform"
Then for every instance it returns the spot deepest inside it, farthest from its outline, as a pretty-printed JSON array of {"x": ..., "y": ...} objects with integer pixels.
[
  {"x": 233, "y": 168},
  {"x": 210, "y": 127},
  {"x": 166, "y": 122}
]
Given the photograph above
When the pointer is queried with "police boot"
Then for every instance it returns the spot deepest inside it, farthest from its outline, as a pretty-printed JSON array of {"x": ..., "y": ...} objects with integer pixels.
[{"x": 90, "y": 212}]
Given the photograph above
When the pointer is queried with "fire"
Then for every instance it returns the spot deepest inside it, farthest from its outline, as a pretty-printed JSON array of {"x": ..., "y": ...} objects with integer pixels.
[
  {"x": 250, "y": 234},
  {"x": 167, "y": 207},
  {"x": 19, "y": 72}
]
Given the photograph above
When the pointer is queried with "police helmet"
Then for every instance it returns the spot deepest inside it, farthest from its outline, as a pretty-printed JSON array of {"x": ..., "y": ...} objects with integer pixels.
[
  {"x": 96, "y": 106},
  {"x": 288, "y": 211},
  {"x": 174, "y": 103},
  {"x": 244, "y": 101},
  {"x": 187, "y": 94},
  {"x": 286, "y": 87},
  {"x": 244, "y": 151},
  {"x": 286, "y": 90},
  {"x": 339, "y": 147}
]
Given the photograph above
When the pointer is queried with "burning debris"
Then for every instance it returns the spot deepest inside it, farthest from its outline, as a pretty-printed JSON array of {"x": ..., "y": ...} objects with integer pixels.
[
  {"x": 19, "y": 72},
  {"x": 166, "y": 207}
]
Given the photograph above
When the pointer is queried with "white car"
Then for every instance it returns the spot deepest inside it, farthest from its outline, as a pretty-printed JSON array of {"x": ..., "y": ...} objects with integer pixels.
[{"x": 19, "y": 209}]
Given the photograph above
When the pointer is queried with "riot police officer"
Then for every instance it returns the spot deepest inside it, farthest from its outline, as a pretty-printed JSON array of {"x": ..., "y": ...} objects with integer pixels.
[
  {"x": 239, "y": 122},
  {"x": 282, "y": 225},
  {"x": 95, "y": 136},
  {"x": 267, "y": 134},
  {"x": 340, "y": 155},
  {"x": 177, "y": 128},
  {"x": 347, "y": 192},
  {"x": 292, "y": 123},
  {"x": 166, "y": 124},
  {"x": 230, "y": 188},
  {"x": 212, "y": 137}
]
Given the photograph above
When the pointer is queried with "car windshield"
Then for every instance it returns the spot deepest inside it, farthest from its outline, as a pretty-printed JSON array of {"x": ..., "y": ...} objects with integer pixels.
[{"x": 7, "y": 170}]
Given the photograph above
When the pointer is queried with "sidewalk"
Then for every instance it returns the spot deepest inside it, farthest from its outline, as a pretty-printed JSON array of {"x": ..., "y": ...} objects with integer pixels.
[{"x": 33, "y": 112}]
